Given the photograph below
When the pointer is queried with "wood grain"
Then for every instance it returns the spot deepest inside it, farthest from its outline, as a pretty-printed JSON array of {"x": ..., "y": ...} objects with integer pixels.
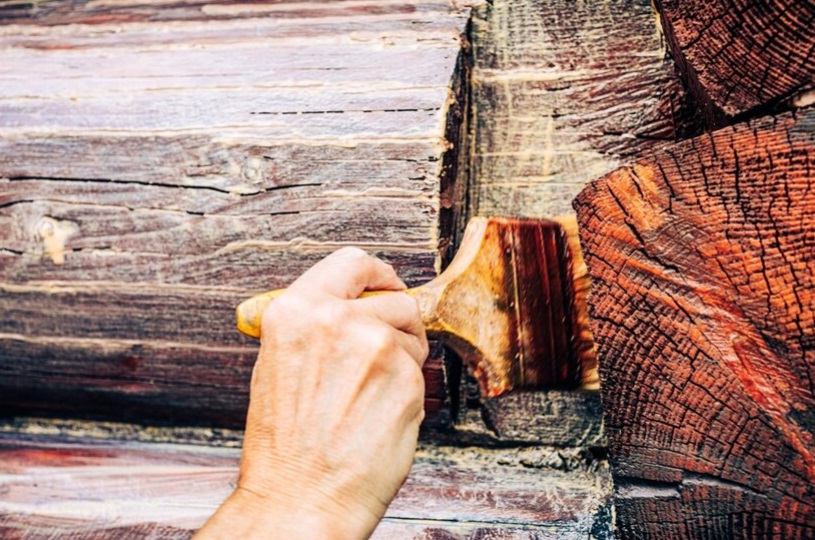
[
  {"x": 703, "y": 307},
  {"x": 563, "y": 93},
  {"x": 58, "y": 487},
  {"x": 161, "y": 162},
  {"x": 741, "y": 59}
]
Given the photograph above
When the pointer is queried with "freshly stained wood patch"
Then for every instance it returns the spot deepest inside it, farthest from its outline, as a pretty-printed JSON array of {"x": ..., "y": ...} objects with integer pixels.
[
  {"x": 702, "y": 260},
  {"x": 158, "y": 165},
  {"x": 738, "y": 58},
  {"x": 58, "y": 486}
]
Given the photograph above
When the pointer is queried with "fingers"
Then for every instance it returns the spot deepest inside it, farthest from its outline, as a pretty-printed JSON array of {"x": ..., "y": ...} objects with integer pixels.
[
  {"x": 415, "y": 347},
  {"x": 348, "y": 272},
  {"x": 401, "y": 312},
  {"x": 396, "y": 309}
]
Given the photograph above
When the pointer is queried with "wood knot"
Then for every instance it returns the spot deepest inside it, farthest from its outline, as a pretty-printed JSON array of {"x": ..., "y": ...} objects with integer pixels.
[{"x": 54, "y": 233}]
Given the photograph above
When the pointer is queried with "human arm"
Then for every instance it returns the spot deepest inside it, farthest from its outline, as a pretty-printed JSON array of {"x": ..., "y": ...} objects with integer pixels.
[{"x": 336, "y": 401}]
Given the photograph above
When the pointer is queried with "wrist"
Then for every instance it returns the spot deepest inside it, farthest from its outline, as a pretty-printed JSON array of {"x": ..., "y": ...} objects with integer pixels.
[{"x": 248, "y": 515}]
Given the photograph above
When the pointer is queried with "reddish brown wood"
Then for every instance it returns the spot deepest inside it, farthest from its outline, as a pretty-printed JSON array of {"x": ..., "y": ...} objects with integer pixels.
[
  {"x": 56, "y": 487},
  {"x": 702, "y": 260},
  {"x": 738, "y": 58},
  {"x": 160, "y": 162}
]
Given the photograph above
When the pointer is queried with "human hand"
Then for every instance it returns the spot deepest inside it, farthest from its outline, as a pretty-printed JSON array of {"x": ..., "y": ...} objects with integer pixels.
[{"x": 336, "y": 401}]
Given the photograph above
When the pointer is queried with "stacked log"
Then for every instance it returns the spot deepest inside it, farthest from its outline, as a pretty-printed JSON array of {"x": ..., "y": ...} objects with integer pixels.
[{"x": 702, "y": 259}]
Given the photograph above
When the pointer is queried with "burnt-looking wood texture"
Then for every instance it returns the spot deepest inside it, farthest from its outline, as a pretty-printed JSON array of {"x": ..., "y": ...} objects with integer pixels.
[
  {"x": 159, "y": 165},
  {"x": 702, "y": 261},
  {"x": 57, "y": 487},
  {"x": 739, "y": 58}
]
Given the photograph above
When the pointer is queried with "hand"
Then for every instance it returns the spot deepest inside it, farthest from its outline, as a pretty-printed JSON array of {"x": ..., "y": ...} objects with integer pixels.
[{"x": 336, "y": 401}]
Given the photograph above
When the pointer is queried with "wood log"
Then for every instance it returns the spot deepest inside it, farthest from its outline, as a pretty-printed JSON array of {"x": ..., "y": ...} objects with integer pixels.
[
  {"x": 59, "y": 486},
  {"x": 561, "y": 93},
  {"x": 159, "y": 163},
  {"x": 703, "y": 308},
  {"x": 742, "y": 59},
  {"x": 564, "y": 92}
]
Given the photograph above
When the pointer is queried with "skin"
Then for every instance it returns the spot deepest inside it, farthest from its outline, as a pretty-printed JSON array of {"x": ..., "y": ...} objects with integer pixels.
[{"x": 336, "y": 400}]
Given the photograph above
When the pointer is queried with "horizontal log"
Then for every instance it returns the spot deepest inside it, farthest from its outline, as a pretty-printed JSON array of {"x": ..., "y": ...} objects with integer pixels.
[
  {"x": 159, "y": 164},
  {"x": 703, "y": 276},
  {"x": 228, "y": 175},
  {"x": 148, "y": 381},
  {"x": 58, "y": 486},
  {"x": 59, "y": 12},
  {"x": 45, "y": 240}
]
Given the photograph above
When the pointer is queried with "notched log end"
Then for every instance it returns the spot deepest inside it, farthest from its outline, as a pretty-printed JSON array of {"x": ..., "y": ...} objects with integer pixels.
[{"x": 701, "y": 265}]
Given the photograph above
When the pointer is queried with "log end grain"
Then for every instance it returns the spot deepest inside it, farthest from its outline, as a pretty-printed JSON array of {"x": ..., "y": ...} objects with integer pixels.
[{"x": 703, "y": 308}]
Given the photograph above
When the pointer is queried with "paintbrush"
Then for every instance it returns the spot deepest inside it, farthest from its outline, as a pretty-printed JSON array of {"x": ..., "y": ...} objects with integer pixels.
[{"x": 505, "y": 305}]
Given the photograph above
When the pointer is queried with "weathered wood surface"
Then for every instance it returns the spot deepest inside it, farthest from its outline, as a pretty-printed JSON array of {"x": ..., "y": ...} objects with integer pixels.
[
  {"x": 702, "y": 260},
  {"x": 56, "y": 487},
  {"x": 742, "y": 58},
  {"x": 564, "y": 92},
  {"x": 158, "y": 164},
  {"x": 561, "y": 93}
]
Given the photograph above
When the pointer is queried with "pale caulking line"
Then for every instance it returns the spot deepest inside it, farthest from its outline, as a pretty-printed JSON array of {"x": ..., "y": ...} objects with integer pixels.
[
  {"x": 118, "y": 344},
  {"x": 136, "y": 287}
]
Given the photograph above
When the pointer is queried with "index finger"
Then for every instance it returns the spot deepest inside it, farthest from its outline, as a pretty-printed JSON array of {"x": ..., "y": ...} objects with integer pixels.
[
  {"x": 401, "y": 312},
  {"x": 348, "y": 272}
]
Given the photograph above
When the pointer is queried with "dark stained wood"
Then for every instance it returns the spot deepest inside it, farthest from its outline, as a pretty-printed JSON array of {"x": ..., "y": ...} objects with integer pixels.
[
  {"x": 150, "y": 381},
  {"x": 556, "y": 418},
  {"x": 59, "y": 487},
  {"x": 741, "y": 58},
  {"x": 567, "y": 419},
  {"x": 161, "y": 162},
  {"x": 703, "y": 307}
]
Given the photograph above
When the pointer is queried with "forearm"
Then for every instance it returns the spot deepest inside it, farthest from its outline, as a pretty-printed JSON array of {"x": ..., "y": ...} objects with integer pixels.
[{"x": 248, "y": 516}]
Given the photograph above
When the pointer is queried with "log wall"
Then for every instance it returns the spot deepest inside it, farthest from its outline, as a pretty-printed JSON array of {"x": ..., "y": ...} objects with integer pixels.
[{"x": 160, "y": 165}]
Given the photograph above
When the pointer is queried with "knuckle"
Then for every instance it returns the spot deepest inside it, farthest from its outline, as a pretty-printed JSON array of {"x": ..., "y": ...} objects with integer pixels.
[
  {"x": 350, "y": 252},
  {"x": 282, "y": 309},
  {"x": 417, "y": 382},
  {"x": 424, "y": 346},
  {"x": 286, "y": 302},
  {"x": 331, "y": 315},
  {"x": 413, "y": 378},
  {"x": 382, "y": 341},
  {"x": 413, "y": 389}
]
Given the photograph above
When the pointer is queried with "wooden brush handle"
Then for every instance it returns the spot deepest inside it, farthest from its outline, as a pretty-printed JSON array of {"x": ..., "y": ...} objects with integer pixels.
[{"x": 249, "y": 313}]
